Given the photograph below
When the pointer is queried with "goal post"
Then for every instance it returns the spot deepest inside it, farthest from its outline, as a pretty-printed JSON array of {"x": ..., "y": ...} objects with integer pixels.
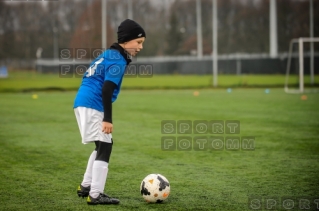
[{"x": 300, "y": 42}]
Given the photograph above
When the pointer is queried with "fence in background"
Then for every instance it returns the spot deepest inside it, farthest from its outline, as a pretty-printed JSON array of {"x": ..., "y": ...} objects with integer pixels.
[{"x": 227, "y": 64}]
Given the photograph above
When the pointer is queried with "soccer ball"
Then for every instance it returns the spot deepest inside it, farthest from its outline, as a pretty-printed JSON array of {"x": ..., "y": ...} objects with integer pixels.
[{"x": 155, "y": 188}]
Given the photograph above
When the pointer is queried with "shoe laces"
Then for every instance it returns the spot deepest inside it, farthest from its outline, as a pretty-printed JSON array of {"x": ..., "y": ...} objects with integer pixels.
[{"x": 104, "y": 195}]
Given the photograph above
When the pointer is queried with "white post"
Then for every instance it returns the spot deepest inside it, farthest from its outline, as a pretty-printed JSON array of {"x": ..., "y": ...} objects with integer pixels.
[
  {"x": 55, "y": 43},
  {"x": 301, "y": 81},
  {"x": 215, "y": 44},
  {"x": 238, "y": 66},
  {"x": 104, "y": 24},
  {"x": 273, "y": 29},
  {"x": 129, "y": 9},
  {"x": 311, "y": 45},
  {"x": 199, "y": 29},
  {"x": 39, "y": 55}
]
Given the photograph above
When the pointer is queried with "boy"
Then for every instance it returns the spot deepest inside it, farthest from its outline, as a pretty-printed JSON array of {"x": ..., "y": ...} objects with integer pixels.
[{"x": 93, "y": 107}]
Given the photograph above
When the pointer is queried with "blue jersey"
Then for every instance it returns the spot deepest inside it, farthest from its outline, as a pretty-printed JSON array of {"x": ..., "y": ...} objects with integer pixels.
[{"x": 110, "y": 65}]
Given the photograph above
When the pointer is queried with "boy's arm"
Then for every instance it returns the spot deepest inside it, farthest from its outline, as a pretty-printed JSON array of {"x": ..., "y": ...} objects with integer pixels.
[{"x": 107, "y": 93}]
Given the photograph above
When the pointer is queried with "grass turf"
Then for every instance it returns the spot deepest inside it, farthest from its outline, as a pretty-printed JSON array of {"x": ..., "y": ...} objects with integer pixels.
[
  {"x": 42, "y": 160},
  {"x": 31, "y": 81}
]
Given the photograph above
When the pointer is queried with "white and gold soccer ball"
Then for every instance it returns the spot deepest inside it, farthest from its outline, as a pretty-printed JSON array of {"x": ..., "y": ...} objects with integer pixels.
[{"x": 155, "y": 188}]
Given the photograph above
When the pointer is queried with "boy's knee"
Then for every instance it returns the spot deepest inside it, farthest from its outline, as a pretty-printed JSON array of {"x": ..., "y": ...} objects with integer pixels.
[{"x": 104, "y": 151}]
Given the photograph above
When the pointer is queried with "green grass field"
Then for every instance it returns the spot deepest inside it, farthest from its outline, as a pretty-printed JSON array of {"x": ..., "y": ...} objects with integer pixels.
[
  {"x": 42, "y": 160},
  {"x": 32, "y": 81}
]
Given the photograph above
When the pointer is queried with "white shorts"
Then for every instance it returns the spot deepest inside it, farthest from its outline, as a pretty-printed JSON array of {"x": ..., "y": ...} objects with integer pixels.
[{"x": 90, "y": 125}]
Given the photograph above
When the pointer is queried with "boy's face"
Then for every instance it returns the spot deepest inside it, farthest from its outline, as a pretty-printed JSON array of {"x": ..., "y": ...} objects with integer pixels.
[{"x": 134, "y": 46}]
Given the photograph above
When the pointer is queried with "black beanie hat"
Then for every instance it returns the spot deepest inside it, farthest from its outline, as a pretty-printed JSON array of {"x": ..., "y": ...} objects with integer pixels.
[{"x": 129, "y": 30}]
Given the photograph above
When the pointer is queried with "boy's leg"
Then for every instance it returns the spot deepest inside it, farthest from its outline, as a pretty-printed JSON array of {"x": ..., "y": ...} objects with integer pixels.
[
  {"x": 99, "y": 175},
  {"x": 87, "y": 179},
  {"x": 84, "y": 188},
  {"x": 100, "y": 168}
]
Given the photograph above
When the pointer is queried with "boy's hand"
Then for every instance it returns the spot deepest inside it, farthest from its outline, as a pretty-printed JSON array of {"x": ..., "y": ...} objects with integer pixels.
[{"x": 107, "y": 127}]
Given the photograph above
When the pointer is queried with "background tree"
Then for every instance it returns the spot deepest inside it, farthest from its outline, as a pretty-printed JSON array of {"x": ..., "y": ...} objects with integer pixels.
[{"x": 171, "y": 28}]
